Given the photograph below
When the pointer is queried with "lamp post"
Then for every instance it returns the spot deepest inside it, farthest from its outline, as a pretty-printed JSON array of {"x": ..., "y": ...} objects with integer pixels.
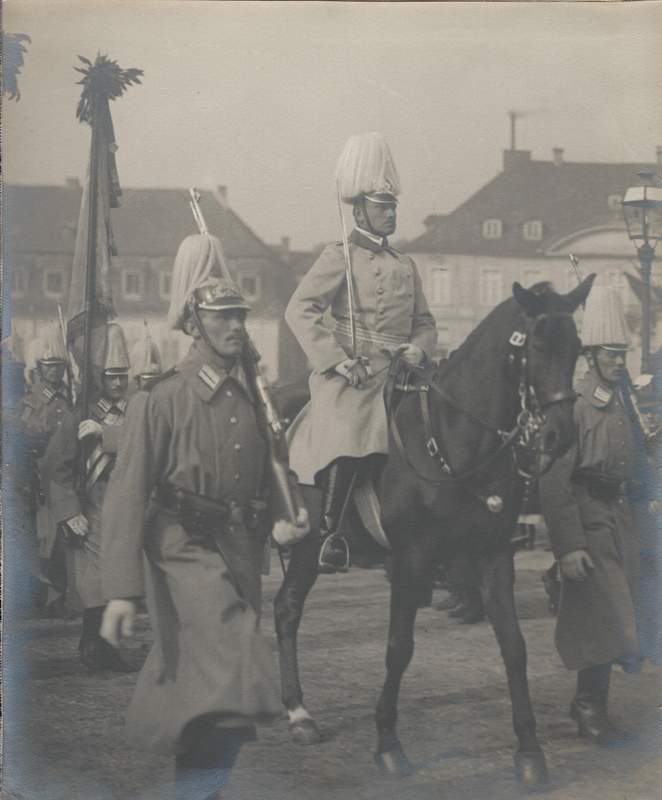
[{"x": 642, "y": 209}]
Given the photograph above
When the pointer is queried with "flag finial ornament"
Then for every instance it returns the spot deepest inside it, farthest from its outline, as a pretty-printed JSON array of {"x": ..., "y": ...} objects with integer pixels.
[
  {"x": 366, "y": 169},
  {"x": 103, "y": 80},
  {"x": 604, "y": 323}
]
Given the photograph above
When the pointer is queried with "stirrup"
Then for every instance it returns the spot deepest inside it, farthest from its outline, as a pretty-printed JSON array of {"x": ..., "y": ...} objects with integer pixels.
[{"x": 328, "y": 563}]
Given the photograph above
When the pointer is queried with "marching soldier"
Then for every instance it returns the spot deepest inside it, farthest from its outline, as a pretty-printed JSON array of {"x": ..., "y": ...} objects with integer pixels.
[
  {"x": 76, "y": 501},
  {"x": 385, "y": 311},
  {"x": 194, "y": 451},
  {"x": 587, "y": 509},
  {"x": 45, "y": 407}
]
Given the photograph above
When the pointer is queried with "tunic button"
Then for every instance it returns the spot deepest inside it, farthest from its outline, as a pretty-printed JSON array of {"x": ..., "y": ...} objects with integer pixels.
[
  {"x": 380, "y": 290},
  {"x": 237, "y": 447},
  {"x": 233, "y": 420},
  {"x": 236, "y": 477},
  {"x": 229, "y": 393},
  {"x": 371, "y": 256}
]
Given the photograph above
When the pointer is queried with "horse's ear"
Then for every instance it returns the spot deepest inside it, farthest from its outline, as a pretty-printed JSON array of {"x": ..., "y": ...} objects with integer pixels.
[
  {"x": 531, "y": 302},
  {"x": 578, "y": 295}
]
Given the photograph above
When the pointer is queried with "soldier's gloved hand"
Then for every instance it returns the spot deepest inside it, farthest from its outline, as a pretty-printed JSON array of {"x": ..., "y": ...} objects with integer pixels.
[
  {"x": 411, "y": 353},
  {"x": 576, "y": 566},
  {"x": 286, "y": 534},
  {"x": 118, "y": 619},
  {"x": 89, "y": 427},
  {"x": 354, "y": 371},
  {"x": 78, "y": 525}
]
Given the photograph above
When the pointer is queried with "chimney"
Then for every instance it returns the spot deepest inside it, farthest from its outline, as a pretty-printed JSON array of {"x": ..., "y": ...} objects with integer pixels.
[
  {"x": 72, "y": 183},
  {"x": 222, "y": 192},
  {"x": 285, "y": 244},
  {"x": 658, "y": 153},
  {"x": 557, "y": 155}
]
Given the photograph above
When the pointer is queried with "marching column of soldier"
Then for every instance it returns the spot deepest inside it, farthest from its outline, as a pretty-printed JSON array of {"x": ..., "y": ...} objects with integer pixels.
[{"x": 167, "y": 494}]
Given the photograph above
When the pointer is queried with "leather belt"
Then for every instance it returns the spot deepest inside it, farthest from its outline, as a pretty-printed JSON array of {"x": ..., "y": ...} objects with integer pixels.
[{"x": 200, "y": 514}]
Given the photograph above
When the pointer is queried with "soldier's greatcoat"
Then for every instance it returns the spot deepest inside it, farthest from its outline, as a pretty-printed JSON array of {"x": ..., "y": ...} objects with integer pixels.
[
  {"x": 390, "y": 310},
  {"x": 596, "y": 621},
  {"x": 196, "y": 430},
  {"x": 63, "y": 469},
  {"x": 44, "y": 410}
]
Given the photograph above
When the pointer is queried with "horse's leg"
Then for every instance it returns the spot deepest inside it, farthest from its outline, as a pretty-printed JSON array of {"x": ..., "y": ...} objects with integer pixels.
[
  {"x": 411, "y": 572},
  {"x": 288, "y": 607},
  {"x": 497, "y": 585}
]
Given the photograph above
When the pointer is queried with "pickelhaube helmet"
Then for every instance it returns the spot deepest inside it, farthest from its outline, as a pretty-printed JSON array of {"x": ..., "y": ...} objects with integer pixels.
[
  {"x": 200, "y": 279},
  {"x": 50, "y": 348},
  {"x": 116, "y": 359},
  {"x": 604, "y": 324},
  {"x": 145, "y": 357},
  {"x": 366, "y": 169}
]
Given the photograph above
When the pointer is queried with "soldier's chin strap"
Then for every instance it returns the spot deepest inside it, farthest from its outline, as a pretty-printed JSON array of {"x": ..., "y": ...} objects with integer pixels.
[
  {"x": 203, "y": 333},
  {"x": 362, "y": 205}
]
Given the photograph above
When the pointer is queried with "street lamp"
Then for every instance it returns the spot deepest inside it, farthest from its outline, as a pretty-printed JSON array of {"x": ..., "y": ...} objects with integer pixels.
[{"x": 642, "y": 209}]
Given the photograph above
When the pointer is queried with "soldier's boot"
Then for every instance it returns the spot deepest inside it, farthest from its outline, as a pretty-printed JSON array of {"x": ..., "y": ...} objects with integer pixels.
[
  {"x": 337, "y": 484},
  {"x": 203, "y": 770},
  {"x": 95, "y": 652},
  {"x": 589, "y": 708}
]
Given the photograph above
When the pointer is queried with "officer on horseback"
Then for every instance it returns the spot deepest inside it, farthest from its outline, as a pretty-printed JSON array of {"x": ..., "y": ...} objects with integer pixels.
[{"x": 375, "y": 298}]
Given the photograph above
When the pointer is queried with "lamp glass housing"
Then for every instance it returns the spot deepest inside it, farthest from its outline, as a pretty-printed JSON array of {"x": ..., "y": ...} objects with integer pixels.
[{"x": 642, "y": 209}]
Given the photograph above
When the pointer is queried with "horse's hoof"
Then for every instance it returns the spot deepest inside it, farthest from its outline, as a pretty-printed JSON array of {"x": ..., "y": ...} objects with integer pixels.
[
  {"x": 531, "y": 769},
  {"x": 394, "y": 763},
  {"x": 305, "y": 731}
]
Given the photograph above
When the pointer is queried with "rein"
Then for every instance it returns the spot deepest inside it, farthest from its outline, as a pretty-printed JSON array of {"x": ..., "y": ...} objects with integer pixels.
[{"x": 526, "y": 430}]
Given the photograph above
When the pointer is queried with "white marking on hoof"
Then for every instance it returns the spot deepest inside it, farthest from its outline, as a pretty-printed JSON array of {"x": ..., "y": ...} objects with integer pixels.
[{"x": 298, "y": 714}]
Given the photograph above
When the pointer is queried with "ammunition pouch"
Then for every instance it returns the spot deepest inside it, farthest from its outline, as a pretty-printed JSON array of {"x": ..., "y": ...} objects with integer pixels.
[
  {"x": 202, "y": 516},
  {"x": 601, "y": 487}
]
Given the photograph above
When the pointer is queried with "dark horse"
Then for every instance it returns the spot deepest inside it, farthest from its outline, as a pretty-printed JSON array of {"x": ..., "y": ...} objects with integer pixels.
[{"x": 452, "y": 483}]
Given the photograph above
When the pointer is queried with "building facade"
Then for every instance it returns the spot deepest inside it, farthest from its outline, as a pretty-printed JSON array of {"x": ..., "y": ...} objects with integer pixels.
[
  {"x": 40, "y": 231},
  {"x": 522, "y": 226}
]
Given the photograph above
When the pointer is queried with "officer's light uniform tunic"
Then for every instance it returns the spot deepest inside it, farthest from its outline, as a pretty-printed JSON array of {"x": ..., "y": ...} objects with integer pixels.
[{"x": 391, "y": 310}]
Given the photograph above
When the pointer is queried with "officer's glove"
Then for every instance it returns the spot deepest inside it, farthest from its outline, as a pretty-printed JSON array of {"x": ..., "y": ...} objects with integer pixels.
[
  {"x": 78, "y": 525},
  {"x": 411, "y": 353},
  {"x": 89, "y": 427},
  {"x": 576, "y": 566},
  {"x": 286, "y": 534},
  {"x": 355, "y": 371},
  {"x": 118, "y": 619}
]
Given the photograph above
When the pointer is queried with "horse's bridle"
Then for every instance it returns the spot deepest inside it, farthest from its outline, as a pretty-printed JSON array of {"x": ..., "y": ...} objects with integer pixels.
[{"x": 522, "y": 437}]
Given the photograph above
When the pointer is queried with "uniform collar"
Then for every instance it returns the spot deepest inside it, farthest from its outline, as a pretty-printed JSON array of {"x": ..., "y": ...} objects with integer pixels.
[
  {"x": 207, "y": 373},
  {"x": 47, "y": 394},
  {"x": 105, "y": 406},
  {"x": 368, "y": 240},
  {"x": 598, "y": 393}
]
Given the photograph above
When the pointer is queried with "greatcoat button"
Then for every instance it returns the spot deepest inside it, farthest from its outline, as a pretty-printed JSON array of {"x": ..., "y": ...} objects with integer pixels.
[
  {"x": 380, "y": 290},
  {"x": 237, "y": 447},
  {"x": 233, "y": 420}
]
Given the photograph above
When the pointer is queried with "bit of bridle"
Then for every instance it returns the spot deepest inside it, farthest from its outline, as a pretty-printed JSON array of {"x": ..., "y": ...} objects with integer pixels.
[{"x": 521, "y": 439}]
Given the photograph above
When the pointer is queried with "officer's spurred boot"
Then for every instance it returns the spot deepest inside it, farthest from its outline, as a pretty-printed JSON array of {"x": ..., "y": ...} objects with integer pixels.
[
  {"x": 589, "y": 708},
  {"x": 338, "y": 482}
]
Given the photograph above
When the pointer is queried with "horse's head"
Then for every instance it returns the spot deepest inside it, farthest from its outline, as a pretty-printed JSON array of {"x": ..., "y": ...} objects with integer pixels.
[{"x": 549, "y": 354}]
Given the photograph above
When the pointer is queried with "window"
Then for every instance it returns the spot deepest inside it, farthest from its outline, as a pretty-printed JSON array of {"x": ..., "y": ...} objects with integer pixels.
[
  {"x": 54, "y": 283},
  {"x": 492, "y": 229},
  {"x": 532, "y": 230},
  {"x": 250, "y": 286},
  {"x": 614, "y": 202},
  {"x": 440, "y": 287},
  {"x": 132, "y": 284},
  {"x": 490, "y": 289},
  {"x": 531, "y": 277},
  {"x": 165, "y": 285},
  {"x": 18, "y": 282}
]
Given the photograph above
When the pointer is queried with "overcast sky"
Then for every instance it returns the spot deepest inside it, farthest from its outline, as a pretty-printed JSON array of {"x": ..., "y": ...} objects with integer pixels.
[{"x": 261, "y": 96}]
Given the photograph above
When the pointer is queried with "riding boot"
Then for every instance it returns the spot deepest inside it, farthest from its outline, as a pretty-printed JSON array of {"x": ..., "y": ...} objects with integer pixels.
[
  {"x": 589, "y": 708},
  {"x": 203, "y": 770},
  {"x": 337, "y": 484}
]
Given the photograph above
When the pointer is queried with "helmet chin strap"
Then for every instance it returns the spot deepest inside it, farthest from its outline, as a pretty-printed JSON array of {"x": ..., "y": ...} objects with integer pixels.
[
  {"x": 205, "y": 336},
  {"x": 366, "y": 217}
]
